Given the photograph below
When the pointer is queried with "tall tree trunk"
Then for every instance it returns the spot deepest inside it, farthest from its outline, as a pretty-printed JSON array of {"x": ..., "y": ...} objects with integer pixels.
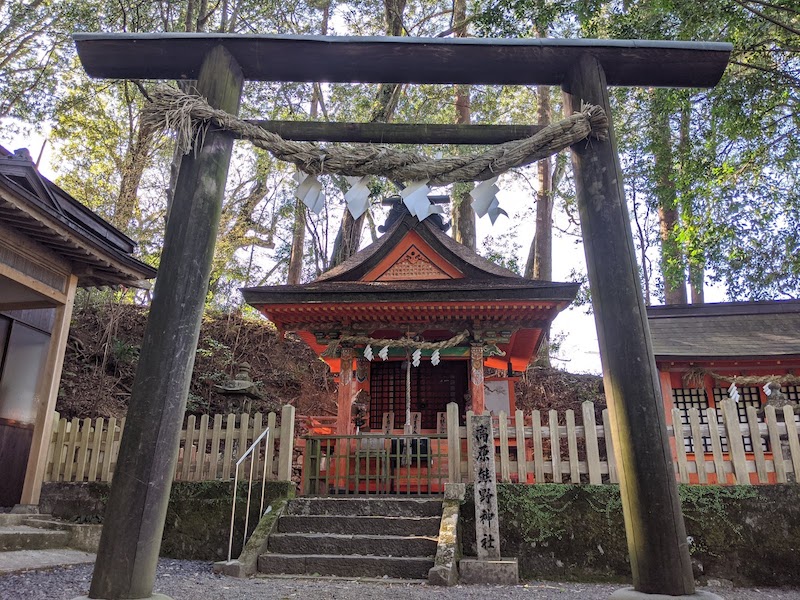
[
  {"x": 135, "y": 163},
  {"x": 464, "y": 226},
  {"x": 298, "y": 242},
  {"x": 543, "y": 240},
  {"x": 696, "y": 281},
  {"x": 299, "y": 225},
  {"x": 695, "y": 255},
  {"x": 673, "y": 267},
  {"x": 540, "y": 257}
]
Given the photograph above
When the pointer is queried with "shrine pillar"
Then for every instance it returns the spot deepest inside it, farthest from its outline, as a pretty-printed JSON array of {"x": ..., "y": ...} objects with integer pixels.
[
  {"x": 657, "y": 544},
  {"x": 137, "y": 505},
  {"x": 476, "y": 390},
  {"x": 346, "y": 390}
]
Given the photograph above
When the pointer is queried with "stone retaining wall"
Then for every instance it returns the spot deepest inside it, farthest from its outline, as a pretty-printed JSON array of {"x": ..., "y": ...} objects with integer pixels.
[
  {"x": 749, "y": 535},
  {"x": 198, "y": 515}
]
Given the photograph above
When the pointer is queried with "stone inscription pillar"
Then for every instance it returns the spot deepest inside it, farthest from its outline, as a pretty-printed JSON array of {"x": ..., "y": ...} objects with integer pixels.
[{"x": 487, "y": 523}]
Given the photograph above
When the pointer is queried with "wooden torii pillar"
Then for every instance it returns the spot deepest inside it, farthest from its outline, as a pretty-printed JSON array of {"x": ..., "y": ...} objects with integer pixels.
[{"x": 584, "y": 68}]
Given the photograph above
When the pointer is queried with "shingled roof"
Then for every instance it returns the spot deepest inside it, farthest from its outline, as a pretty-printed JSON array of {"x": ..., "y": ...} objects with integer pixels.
[
  {"x": 46, "y": 214},
  {"x": 482, "y": 279},
  {"x": 726, "y": 330}
]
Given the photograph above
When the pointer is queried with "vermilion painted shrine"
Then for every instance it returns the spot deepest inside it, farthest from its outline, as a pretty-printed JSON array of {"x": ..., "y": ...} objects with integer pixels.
[
  {"x": 416, "y": 280},
  {"x": 584, "y": 69}
]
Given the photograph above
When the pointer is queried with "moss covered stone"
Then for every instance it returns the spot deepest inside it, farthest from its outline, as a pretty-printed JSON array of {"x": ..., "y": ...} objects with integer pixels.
[
  {"x": 198, "y": 515},
  {"x": 749, "y": 534}
]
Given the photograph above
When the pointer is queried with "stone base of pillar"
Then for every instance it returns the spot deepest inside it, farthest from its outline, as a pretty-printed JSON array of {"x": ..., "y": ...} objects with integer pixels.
[
  {"x": 502, "y": 571},
  {"x": 25, "y": 509},
  {"x": 632, "y": 594}
]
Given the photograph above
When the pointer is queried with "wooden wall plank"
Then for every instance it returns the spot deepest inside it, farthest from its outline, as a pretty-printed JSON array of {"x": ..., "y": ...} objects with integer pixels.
[
  {"x": 453, "y": 444},
  {"x": 83, "y": 449},
  {"x": 72, "y": 442},
  {"x": 538, "y": 450},
  {"x": 227, "y": 458},
  {"x": 108, "y": 449},
  {"x": 243, "y": 443},
  {"x": 680, "y": 448},
  {"x": 699, "y": 448},
  {"x": 286, "y": 448},
  {"x": 216, "y": 458},
  {"x": 609, "y": 440},
  {"x": 188, "y": 447},
  {"x": 97, "y": 441},
  {"x": 716, "y": 446},
  {"x": 592, "y": 450},
  {"x": 505, "y": 467},
  {"x": 775, "y": 444},
  {"x": 202, "y": 441},
  {"x": 555, "y": 445},
  {"x": 572, "y": 442},
  {"x": 758, "y": 448},
  {"x": 59, "y": 453},
  {"x": 522, "y": 450},
  {"x": 272, "y": 419},
  {"x": 735, "y": 442},
  {"x": 794, "y": 442}
]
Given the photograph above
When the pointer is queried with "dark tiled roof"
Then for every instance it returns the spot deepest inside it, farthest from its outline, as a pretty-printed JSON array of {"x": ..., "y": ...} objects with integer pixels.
[
  {"x": 45, "y": 213},
  {"x": 726, "y": 330}
]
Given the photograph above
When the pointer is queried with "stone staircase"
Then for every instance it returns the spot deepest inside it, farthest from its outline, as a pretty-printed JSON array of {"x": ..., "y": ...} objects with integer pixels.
[
  {"x": 29, "y": 542},
  {"x": 355, "y": 537}
]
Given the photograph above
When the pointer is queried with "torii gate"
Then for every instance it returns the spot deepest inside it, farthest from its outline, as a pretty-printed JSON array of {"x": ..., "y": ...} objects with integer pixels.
[{"x": 657, "y": 544}]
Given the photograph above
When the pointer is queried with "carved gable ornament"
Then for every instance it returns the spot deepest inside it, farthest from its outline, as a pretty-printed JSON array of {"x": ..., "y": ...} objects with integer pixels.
[{"x": 413, "y": 265}]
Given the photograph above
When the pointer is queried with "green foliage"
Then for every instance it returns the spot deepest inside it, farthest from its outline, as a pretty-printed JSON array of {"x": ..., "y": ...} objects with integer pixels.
[
  {"x": 503, "y": 250},
  {"x": 726, "y": 159}
]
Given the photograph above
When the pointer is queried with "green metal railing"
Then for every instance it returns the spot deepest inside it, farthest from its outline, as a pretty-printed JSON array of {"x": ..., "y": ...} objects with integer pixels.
[{"x": 375, "y": 464}]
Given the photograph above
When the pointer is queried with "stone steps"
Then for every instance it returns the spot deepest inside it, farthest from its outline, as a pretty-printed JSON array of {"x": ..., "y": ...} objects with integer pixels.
[
  {"x": 25, "y": 537},
  {"x": 340, "y": 544},
  {"x": 365, "y": 506},
  {"x": 367, "y": 525},
  {"x": 32, "y": 560},
  {"x": 354, "y": 537},
  {"x": 30, "y": 542},
  {"x": 351, "y": 566}
]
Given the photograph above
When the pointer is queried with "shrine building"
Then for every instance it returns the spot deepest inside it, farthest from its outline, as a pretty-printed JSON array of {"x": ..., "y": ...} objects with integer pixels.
[
  {"x": 700, "y": 350},
  {"x": 416, "y": 285},
  {"x": 50, "y": 245}
]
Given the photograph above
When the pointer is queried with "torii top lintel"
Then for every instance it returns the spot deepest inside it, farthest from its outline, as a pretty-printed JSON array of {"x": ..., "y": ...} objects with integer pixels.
[{"x": 404, "y": 59}]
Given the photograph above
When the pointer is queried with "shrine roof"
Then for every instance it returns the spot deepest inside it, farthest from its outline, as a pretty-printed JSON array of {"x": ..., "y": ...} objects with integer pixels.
[
  {"x": 36, "y": 207},
  {"x": 472, "y": 277},
  {"x": 726, "y": 330}
]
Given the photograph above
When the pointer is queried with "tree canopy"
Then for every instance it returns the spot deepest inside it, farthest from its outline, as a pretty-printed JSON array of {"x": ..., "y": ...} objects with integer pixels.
[{"x": 711, "y": 175}]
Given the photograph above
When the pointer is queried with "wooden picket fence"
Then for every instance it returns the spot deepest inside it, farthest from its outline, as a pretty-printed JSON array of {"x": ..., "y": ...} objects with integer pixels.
[
  {"x": 531, "y": 447},
  {"x": 539, "y": 447},
  {"x": 555, "y": 448},
  {"x": 86, "y": 450}
]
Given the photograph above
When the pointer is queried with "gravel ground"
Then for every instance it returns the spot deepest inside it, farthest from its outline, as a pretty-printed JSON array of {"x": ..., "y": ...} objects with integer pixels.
[{"x": 192, "y": 580}]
